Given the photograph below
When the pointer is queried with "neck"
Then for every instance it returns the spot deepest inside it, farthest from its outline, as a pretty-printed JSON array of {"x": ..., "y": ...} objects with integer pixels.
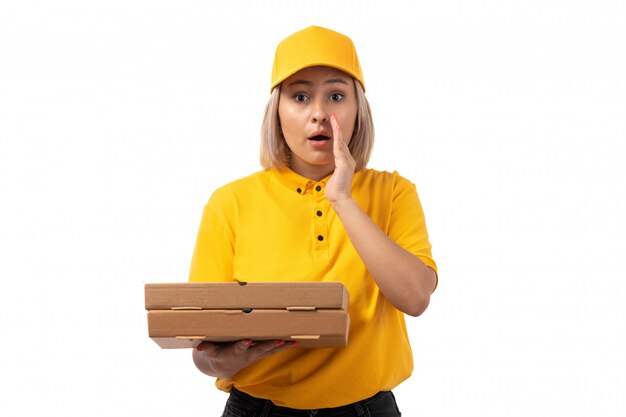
[{"x": 315, "y": 173}]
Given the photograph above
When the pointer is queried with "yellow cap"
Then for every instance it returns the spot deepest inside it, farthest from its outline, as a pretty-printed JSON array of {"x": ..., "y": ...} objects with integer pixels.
[{"x": 315, "y": 46}]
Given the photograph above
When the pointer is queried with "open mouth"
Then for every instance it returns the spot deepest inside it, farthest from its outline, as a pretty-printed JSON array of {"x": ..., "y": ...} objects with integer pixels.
[{"x": 319, "y": 138}]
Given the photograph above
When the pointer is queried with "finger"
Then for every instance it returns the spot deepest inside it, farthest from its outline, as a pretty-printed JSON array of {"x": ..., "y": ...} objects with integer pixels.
[
  {"x": 284, "y": 346},
  {"x": 242, "y": 345},
  {"x": 262, "y": 349},
  {"x": 208, "y": 347},
  {"x": 267, "y": 345},
  {"x": 337, "y": 133},
  {"x": 340, "y": 147}
]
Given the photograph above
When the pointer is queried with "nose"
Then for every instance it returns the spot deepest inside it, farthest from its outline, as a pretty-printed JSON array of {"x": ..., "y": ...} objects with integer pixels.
[{"x": 319, "y": 111}]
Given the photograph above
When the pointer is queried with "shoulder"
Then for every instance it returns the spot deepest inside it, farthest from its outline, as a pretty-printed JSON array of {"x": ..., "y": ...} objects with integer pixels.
[
  {"x": 240, "y": 189},
  {"x": 372, "y": 179},
  {"x": 242, "y": 185}
]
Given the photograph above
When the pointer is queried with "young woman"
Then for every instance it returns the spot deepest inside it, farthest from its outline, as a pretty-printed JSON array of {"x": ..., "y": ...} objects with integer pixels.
[{"x": 316, "y": 213}]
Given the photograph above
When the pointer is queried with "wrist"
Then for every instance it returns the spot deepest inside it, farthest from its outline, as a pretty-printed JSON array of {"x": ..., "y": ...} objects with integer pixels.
[{"x": 344, "y": 205}]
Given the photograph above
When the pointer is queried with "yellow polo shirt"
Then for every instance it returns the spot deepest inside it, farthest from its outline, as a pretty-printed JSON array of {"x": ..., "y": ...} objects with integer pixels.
[{"x": 278, "y": 226}]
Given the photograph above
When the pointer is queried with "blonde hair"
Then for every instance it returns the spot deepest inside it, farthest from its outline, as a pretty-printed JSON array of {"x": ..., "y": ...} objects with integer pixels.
[{"x": 276, "y": 154}]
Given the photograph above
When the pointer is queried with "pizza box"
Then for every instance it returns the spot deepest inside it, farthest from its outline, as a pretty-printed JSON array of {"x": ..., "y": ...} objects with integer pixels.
[{"x": 181, "y": 315}]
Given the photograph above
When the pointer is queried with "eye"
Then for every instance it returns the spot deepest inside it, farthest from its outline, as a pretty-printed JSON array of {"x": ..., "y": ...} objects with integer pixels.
[
  {"x": 335, "y": 96},
  {"x": 300, "y": 97}
]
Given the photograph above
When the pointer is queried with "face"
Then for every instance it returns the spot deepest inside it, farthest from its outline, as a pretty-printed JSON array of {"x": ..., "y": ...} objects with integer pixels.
[{"x": 307, "y": 99}]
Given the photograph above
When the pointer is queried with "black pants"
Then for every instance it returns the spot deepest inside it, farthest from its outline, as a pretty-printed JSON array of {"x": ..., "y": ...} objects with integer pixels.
[{"x": 240, "y": 404}]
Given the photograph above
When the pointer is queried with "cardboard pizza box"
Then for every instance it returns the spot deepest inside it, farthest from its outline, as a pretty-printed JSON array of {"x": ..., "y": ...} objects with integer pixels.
[{"x": 182, "y": 315}]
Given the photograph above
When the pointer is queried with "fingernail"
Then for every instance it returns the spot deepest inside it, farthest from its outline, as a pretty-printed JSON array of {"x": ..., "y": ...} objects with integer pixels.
[
  {"x": 247, "y": 342},
  {"x": 280, "y": 342},
  {"x": 295, "y": 343}
]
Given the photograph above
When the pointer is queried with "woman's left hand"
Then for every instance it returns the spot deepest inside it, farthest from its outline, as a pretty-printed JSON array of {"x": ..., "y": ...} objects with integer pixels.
[{"x": 339, "y": 186}]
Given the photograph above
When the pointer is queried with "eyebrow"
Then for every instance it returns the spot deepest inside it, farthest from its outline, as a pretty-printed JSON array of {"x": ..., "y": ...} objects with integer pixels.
[{"x": 331, "y": 81}]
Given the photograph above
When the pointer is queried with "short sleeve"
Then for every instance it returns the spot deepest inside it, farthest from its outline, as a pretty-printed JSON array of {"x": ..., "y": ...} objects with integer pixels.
[
  {"x": 212, "y": 259},
  {"x": 407, "y": 225}
]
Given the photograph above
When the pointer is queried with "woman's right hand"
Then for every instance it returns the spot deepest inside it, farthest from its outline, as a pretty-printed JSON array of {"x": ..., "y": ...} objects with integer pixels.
[{"x": 224, "y": 360}]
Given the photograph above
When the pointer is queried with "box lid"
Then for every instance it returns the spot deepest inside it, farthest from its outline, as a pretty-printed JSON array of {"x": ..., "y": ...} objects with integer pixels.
[{"x": 241, "y": 295}]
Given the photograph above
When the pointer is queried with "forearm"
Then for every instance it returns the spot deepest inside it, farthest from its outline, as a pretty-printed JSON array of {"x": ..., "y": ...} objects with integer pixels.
[{"x": 402, "y": 277}]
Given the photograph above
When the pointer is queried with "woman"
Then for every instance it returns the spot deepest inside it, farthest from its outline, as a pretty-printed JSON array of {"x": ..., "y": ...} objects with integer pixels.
[{"x": 315, "y": 213}]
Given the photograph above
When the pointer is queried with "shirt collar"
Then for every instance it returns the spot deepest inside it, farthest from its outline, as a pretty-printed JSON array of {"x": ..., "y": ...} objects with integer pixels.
[{"x": 296, "y": 182}]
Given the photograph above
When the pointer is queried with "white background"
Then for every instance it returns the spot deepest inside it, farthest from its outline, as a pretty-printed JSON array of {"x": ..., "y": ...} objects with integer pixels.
[{"x": 118, "y": 119}]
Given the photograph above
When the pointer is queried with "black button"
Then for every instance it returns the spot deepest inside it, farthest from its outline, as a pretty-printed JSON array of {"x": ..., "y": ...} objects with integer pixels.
[
  {"x": 319, "y": 213},
  {"x": 299, "y": 190},
  {"x": 318, "y": 188},
  {"x": 320, "y": 238}
]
